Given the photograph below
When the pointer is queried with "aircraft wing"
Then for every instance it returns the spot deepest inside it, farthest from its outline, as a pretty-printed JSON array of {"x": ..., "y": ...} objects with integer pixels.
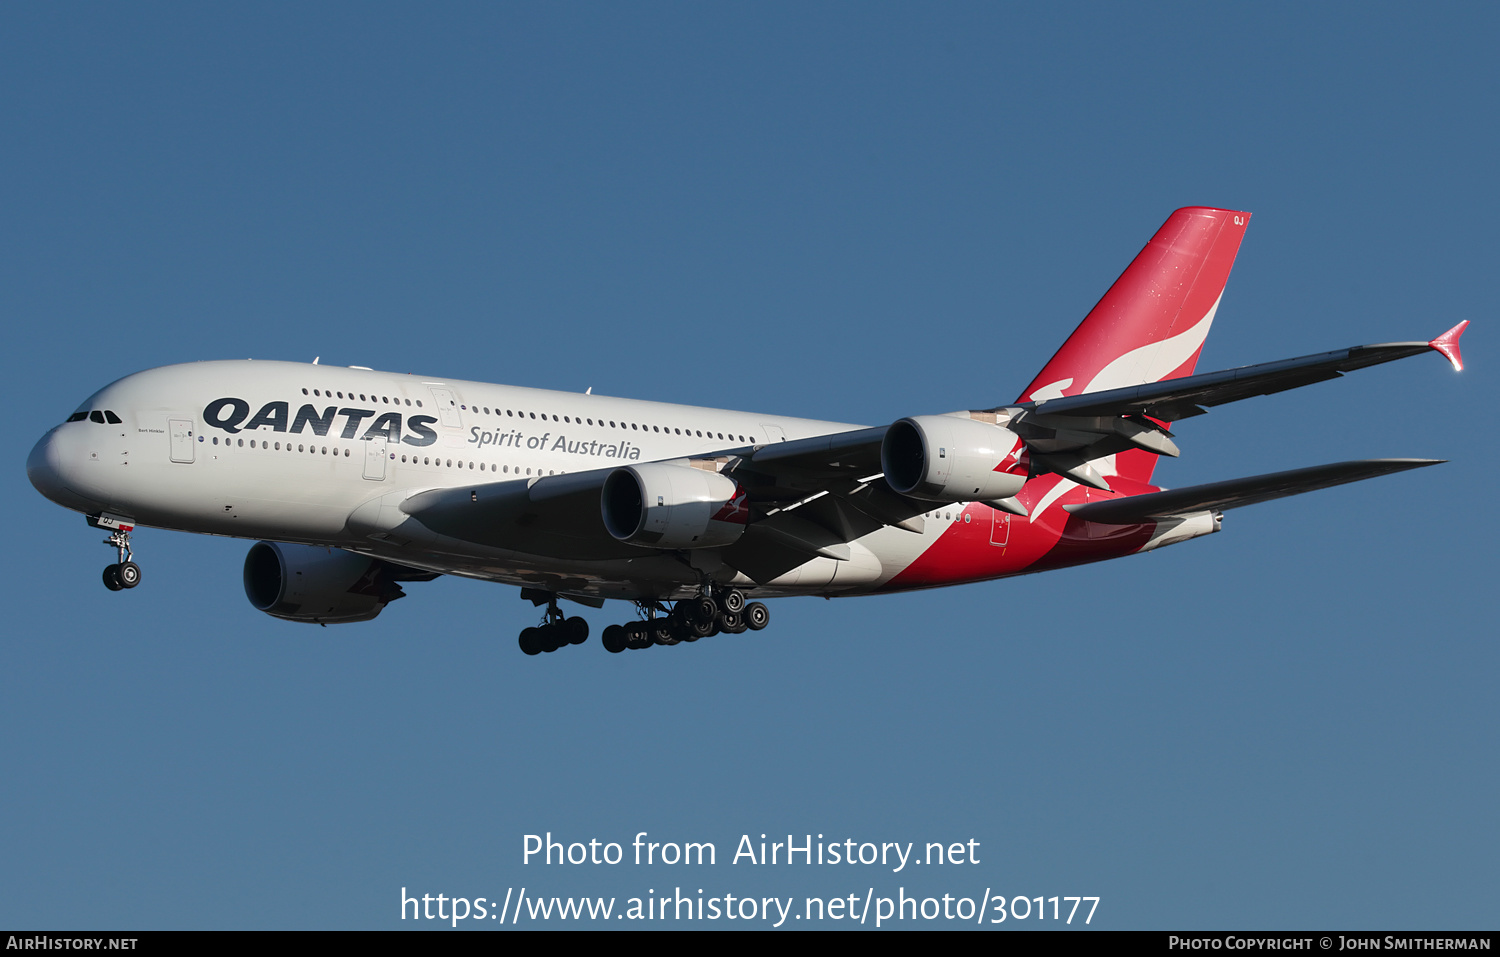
[
  {"x": 1238, "y": 492},
  {"x": 1173, "y": 399},
  {"x": 555, "y": 515},
  {"x": 812, "y": 462},
  {"x": 812, "y": 497}
]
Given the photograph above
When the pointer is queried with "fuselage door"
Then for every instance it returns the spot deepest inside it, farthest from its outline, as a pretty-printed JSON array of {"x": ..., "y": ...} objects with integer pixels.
[
  {"x": 375, "y": 459},
  {"x": 181, "y": 431},
  {"x": 1000, "y": 531},
  {"x": 447, "y": 408}
]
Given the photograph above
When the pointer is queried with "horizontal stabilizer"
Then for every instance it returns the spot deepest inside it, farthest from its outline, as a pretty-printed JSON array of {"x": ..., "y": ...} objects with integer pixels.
[{"x": 1237, "y": 492}]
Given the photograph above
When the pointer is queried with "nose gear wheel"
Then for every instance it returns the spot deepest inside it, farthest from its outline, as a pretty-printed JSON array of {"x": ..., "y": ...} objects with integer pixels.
[{"x": 124, "y": 573}]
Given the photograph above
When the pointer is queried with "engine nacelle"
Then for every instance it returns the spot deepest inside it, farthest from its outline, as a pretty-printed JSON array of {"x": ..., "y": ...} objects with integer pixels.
[
  {"x": 943, "y": 458},
  {"x": 661, "y": 505},
  {"x": 315, "y": 584}
]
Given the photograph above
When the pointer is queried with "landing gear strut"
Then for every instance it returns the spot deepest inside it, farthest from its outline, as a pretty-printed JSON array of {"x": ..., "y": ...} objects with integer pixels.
[
  {"x": 125, "y": 573},
  {"x": 718, "y": 611},
  {"x": 555, "y": 631}
]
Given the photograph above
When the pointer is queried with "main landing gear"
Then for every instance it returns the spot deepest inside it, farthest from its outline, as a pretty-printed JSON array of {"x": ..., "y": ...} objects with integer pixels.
[
  {"x": 722, "y": 612},
  {"x": 554, "y": 632},
  {"x": 125, "y": 573}
]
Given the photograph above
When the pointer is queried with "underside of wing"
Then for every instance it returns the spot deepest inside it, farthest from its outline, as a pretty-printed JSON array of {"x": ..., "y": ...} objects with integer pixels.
[
  {"x": 557, "y": 515},
  {"x": 811, "y": 497},
  {"x": 1238, "y": 492}
]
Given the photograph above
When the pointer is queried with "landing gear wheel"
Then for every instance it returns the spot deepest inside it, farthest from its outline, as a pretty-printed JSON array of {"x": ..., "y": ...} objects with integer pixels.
[
  {"x": 733, "y": 601},
  {"x": 577, "y": 630},
  {"x": 637, "y": 635},
  {"x": 702, "y": 629},
  {"x": 125, "y": 573},
  {"x": 757, "y": 616},
  {"x": 552, "y": 638},
  {"x": 661, "y": 631},
  {"x": 733, "y": 624},
  {"x": 531, "y": 641},
  {"x": 614, "y": 639},
  {"x": 703, "y": 609}
]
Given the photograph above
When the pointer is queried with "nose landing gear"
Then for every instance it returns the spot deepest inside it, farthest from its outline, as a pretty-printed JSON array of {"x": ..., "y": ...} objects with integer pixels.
[{"x": 125, "y": 573}]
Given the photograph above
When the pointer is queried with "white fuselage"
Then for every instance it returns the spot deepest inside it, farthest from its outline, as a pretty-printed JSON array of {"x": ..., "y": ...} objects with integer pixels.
[{"x": 308, "y": 453}]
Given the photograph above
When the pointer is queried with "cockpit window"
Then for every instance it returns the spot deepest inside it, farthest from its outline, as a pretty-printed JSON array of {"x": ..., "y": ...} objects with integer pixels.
[
  {"x": 111, "y": 418},
  {"x": 78, "y": 416},
  {"x": 96, "y": 416}
]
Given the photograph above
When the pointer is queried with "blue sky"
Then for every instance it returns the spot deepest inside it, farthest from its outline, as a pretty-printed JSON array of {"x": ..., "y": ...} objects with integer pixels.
[{"x": 848, "y": 211}]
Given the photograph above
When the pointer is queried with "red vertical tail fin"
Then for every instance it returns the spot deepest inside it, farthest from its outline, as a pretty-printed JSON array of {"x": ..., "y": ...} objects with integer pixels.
[{"x": 1152, "y": 322}]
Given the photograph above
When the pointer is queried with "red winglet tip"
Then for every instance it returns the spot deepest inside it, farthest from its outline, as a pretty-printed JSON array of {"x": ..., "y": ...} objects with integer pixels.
[{"x": 1447, "y": 344}]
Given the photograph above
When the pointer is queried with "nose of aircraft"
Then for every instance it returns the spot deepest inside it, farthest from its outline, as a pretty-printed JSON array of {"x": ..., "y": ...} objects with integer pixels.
[
  {"x": 45, "y": 467},
  {"x": 42, "y": 467}
]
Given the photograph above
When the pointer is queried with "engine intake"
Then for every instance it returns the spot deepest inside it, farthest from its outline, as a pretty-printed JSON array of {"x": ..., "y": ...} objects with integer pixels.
[
  {"x": 661, "y": 505},
  {"x": 315, "y": 584},
  {"x": 944, "y": 458}
]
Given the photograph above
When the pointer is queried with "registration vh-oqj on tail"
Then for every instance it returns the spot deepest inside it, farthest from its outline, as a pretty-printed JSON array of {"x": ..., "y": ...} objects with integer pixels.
[{"x": 355, "y": 482}]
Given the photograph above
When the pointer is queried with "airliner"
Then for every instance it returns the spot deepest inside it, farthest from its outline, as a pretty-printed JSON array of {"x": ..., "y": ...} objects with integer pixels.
[{"x": 354, "y": 482}]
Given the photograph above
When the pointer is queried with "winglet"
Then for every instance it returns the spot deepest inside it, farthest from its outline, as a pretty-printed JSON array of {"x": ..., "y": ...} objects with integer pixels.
[{"x": 1447, "y": 344}]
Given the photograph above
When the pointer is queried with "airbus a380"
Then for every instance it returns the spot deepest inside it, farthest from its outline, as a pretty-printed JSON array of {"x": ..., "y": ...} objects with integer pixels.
[{"x": 356, "y": 481}]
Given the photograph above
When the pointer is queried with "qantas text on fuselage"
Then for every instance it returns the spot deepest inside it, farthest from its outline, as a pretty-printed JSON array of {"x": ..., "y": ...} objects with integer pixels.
[{"x": 356, "y": 482}]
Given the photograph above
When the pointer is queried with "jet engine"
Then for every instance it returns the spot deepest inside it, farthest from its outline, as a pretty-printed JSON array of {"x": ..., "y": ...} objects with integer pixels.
[
  {"x": 316, "y": 584},
  {"x": 944, "y": 458},
  {"x": 661, "y": 505}
]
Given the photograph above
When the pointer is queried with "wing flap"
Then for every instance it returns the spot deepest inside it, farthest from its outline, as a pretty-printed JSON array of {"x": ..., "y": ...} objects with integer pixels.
[{"x": 1235, "y": 493}]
